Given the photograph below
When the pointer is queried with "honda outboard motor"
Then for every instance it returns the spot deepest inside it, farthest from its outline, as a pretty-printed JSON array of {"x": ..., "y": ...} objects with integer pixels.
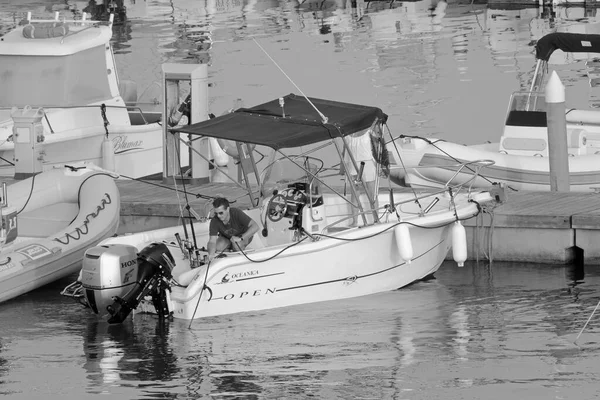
[{"x": 115, "y": 278}]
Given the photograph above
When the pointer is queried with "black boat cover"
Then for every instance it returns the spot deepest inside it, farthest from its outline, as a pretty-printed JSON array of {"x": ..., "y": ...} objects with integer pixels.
[
  {"x": 265, "y": 124},
  {"x": 567, "y": 42}
]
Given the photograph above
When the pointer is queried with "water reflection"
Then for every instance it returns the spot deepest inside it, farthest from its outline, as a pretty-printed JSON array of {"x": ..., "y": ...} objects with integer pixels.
[
  {"x": 4, "y": 367},
  {"x": 101, "y": 10},
  {"x": 480, "y": 326},
  {"x": 117, "y": 355},
  {"x": 431, "y": 66}
]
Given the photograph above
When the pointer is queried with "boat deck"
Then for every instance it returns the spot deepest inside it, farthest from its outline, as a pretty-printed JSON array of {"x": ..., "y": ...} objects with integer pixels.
[{"x": 555, "y": 228}]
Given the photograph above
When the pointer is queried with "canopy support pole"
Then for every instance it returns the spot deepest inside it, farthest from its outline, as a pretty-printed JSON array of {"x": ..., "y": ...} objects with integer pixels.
[{"x": 248, "y": 166}]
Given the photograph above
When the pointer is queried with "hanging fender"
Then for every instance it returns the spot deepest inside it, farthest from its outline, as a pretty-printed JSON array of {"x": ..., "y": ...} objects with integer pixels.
[
  {"x": 230, "y": 148},
  {"x": 221, "y": 158},
  {"x": 218, "y": 155}
]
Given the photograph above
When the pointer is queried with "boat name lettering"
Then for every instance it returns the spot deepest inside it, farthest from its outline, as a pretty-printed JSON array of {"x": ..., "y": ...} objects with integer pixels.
[
  {"x": 128, "y": 263},
  {"x": 34, "y": 251},
  {"x": 122, "y": 145},
  {"x": 257, "y": 292},
  {"x": 233, "y": 277}
]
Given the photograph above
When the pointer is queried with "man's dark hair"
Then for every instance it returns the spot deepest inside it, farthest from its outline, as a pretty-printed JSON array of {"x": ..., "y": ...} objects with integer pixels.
[{"x": 220, "y": 201}]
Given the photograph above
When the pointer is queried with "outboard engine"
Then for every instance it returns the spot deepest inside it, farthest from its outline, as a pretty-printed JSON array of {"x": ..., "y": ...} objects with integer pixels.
[{"x": 115, "y": 279}]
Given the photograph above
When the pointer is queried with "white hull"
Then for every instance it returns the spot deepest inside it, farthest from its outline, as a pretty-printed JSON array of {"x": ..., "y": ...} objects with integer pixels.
[
  {"x": 322, "y": 271},
  {"x": 137, "y": 149},
  {"x": 434, "y": 165},
  {"x": 351, "y": 263}
]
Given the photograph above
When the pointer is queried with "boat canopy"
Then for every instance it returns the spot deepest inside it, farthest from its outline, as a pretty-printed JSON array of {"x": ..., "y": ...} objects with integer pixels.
[
  {"x": 567, "y": 42},
  {"x": 293, "y": 125}
]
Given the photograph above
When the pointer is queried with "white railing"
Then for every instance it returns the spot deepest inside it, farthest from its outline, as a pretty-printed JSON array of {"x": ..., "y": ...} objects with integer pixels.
[{"x": 82, "y": 21}]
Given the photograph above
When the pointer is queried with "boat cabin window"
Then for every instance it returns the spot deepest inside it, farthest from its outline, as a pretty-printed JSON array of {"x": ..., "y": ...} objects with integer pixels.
[
  {"x": 527, "y": 109},
  {"x": 57, "y": 81}
]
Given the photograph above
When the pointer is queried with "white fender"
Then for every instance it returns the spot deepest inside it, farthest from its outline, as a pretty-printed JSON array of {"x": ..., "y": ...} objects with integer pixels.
[
  {"x": 403, "y": 241},
  {"x": 230, "y": 148},
  {"x": 108, "y": 155},
  {"x": 459, "y": 243},
  {"x": 221, "y": 158}
]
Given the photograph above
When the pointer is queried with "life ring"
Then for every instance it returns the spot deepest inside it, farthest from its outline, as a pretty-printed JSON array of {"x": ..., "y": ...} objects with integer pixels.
[{"x": 45, "y": 30}]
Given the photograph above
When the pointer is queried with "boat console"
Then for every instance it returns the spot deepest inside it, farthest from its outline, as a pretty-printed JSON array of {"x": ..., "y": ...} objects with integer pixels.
[{"x": 526, "y": 132}]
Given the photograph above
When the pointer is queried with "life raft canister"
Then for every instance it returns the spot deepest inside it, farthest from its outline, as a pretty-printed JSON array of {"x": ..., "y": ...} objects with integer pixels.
[{"x": 45, "y": 30}]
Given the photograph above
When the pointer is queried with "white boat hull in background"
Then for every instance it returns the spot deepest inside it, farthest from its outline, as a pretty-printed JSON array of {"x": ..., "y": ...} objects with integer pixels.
[
  {"x": 434, "y": 165},
  {"x": 137, "y": 149}
]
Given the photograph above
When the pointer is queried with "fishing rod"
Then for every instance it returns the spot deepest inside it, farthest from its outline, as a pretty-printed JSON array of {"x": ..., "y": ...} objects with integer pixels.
[
  {"x": 587, "y": 322},
  {"x": 323, "y": 117}
]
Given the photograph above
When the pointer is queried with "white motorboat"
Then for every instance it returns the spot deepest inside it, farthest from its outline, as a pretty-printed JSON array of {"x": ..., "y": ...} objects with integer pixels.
[
  {"x": 308, "y": 250},
  {"x": 66, "y": 70},
  {"x": 520, "y": 159},
  {"x": 48, "y": 223}
]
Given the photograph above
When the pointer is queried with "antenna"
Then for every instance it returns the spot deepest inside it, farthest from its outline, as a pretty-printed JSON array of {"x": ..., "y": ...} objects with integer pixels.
[{"x": 323, "y": 117}]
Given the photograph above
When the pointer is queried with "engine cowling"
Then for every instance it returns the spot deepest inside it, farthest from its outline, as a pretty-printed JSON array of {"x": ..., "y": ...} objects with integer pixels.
[
  {"x": 115, "y": 278},
  {"x": 108, "y": 271}
]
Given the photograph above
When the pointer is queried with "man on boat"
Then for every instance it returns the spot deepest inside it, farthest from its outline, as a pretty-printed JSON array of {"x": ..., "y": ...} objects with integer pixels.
[{"x": 230, "y": 229}]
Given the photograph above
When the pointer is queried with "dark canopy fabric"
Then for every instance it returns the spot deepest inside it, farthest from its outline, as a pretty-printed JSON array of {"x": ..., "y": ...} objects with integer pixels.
[
  {"x": 567, "y": 42},
  {"x": 265, "y": 124}
]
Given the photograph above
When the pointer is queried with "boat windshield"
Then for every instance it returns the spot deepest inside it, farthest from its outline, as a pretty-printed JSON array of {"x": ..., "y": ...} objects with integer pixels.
[
  {"x": 527, "y": 109},
  {"x": 54, "y": 81},
  {"x": 528, "y": 101},
  {"x": 294, "y": 169}
]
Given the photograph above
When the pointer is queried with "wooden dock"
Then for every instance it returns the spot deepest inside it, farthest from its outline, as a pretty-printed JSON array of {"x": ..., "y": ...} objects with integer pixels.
[
  {"x": 541, "y": 227},
  {"x": 152, "y": 204},
  {"x": 544, "y": 227}
]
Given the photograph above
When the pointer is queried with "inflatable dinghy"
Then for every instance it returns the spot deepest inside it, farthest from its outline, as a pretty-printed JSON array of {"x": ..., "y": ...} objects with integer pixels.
[{"x": 49, "y": 221}]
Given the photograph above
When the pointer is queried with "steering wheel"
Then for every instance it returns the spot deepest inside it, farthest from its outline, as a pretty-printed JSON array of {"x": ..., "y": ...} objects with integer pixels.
[{"x": 277, "y": 207}]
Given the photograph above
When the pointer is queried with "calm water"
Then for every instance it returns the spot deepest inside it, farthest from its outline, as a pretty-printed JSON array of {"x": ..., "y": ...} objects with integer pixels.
[
  {"x": 479, "y": 332},
  {"x": 437, "y": 69}
]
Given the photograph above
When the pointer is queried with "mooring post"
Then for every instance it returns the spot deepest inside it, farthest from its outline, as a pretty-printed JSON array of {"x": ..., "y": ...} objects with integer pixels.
[
  {"x": 557, "y": 135},
  {"x": 199, "y": 88}
]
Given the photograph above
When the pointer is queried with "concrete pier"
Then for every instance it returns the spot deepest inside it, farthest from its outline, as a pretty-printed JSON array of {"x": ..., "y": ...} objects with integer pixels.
[{"x": 540, "y": 227}]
